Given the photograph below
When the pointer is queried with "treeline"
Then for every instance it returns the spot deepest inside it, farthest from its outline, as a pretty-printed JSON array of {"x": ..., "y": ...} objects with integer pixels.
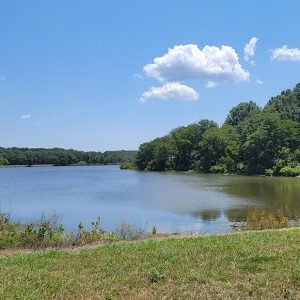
[
  {"x": 62, "y": 157},
  {"x": 252, "y": 140}
]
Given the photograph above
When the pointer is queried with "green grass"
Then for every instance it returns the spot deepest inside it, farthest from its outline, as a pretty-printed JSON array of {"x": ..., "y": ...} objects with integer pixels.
[{"x": 249, "y": 265}]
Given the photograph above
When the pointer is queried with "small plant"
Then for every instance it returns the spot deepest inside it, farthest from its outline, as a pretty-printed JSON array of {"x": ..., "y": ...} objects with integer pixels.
[
  {"x": 155, "y": 276},
  {"x": 86, "y": 236},
  {"x": 154, "y": 230},
  {"x": 45, "y": 232},
  {"x": 128, "y": 231},
  {"x": 8, "y": 231},
  {"x": 263, "y": 219}
]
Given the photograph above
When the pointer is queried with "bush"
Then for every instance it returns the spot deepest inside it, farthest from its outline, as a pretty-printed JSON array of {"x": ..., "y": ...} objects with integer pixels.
[
  {"x": 128, "y": 231},
  {"x": 8, "y": 232},
  {"x": 85, "y": 236},
  {"x": 80, "y": 163},
  {"x": 46, "y": 232},
  {"x": 128, "y": 166},
  {"x": 262, "y": 219},
  {"x": 290, "y": 171},
  {"x": 218, "y": 169},
  {"x": 269, "y": 172}
]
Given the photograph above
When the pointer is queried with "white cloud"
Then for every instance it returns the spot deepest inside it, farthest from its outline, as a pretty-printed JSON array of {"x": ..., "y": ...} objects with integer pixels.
[
  {"x": 171, "y": 91},
  {"x": 27, "y": 116},
  {"x": 258, "y": 81},
  {"x": 285, "y": 53},
  {"x": 211, "y": 84},
  {"x": 189, "y": 62},
  {"x": 138, "y": 76},
  {"x": 249, "y": 49}
]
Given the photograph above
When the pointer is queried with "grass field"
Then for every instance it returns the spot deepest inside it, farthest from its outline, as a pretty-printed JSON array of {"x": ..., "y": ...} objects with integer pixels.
[{"x": 249, "y": 265}]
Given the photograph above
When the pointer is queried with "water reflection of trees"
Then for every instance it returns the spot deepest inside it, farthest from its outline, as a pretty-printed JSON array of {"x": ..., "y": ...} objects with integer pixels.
[
  {"x": 232, "y": 215},
  {"x": 258, "y": 192},
  {"x": 207, "y": 215},
  {"x": 271, "y": 193}
]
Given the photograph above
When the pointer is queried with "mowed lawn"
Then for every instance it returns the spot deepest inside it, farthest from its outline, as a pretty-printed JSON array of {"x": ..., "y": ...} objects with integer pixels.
[{"x": 250, "y": 265}]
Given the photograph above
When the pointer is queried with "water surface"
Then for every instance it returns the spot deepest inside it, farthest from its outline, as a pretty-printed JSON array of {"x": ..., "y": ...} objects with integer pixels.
[{"x": 173, "y": 202}]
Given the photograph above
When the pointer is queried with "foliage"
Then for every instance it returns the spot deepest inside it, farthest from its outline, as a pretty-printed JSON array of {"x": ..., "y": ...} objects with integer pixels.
[
  {"x": 260, "y": 219},
  {"x": 3, "y": 160},
  {"x": 128, "y": 231},
  {"x": 48, "y": 232},
  {"x": 251, "y": 141},
  {"x": 8, "y": 231},
  {"x": 128, "y": 166},
  {"x": 241, "y": 112},
  {"x": 290, "y": 171},
  {"x": 287, "y": 104},
  {"x": 154, "y": 230},
  {"x": 88, "y": 236},
  {"x": 62, "y": 157},
  {"x": 156, "y": 155}
]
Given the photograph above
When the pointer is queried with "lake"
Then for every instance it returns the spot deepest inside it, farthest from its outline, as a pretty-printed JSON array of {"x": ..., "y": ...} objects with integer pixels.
[{"x": 173, "y": 202}]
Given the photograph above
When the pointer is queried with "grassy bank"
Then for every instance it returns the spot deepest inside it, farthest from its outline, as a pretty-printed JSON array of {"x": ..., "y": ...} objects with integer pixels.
[{"x": 249, "y": 265}]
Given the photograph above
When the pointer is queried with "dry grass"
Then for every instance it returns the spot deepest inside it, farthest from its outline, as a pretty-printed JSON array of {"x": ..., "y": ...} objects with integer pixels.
[{"x": 261, "y": 219}]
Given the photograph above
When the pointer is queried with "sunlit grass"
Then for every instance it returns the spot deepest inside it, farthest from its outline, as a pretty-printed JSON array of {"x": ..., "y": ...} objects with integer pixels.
[{"x": 250, "y": 265}]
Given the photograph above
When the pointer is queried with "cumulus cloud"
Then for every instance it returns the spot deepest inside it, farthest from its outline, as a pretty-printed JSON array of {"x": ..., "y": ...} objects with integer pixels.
[
  {"x": 249, "y": 49},
  {"x": 184, "y": 62},
  {"x": 27, "y": 116},
  {"x": 285, "y": 53},
  {"x": 258, "y": 81},
  {"x": 171, "y": 91}
]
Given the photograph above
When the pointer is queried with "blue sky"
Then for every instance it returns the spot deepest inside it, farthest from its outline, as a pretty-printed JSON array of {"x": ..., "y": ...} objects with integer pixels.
[{"x": 72, "y": 72}]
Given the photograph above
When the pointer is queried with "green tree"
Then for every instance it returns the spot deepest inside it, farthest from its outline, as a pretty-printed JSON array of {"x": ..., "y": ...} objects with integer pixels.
[
  {"x": 212, "y": 147},
  {"x": 3, "y": 160},
  {"x": 241, "y": 112}
]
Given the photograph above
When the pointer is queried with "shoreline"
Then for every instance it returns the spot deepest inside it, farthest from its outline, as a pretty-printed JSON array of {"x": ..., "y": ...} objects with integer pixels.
[{"x": 158, "y": 237}]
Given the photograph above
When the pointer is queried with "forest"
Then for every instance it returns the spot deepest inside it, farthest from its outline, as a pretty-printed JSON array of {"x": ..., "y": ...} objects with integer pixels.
[
  {"x": 252, "y": 140},
  {"x": 62, "y": 157}
]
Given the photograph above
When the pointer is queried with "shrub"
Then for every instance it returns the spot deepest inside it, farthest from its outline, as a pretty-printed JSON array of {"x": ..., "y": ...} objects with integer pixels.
[
  {"x": 128, "y": 231},
  {"x": 269, "y": 172},
  {"x": 127, "y": 166},
  {"x": 154, "y": 230},
  {"x": 262, "y": 219},
  {"x": 290, "y": 171},
  {"x": 80, "y": 163},
  {"x": 218, "y": 169},
  {"x": 46, "y": 232},
  {"x": 8, "y": 232},
  {"x": 95, "y": 234}
]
